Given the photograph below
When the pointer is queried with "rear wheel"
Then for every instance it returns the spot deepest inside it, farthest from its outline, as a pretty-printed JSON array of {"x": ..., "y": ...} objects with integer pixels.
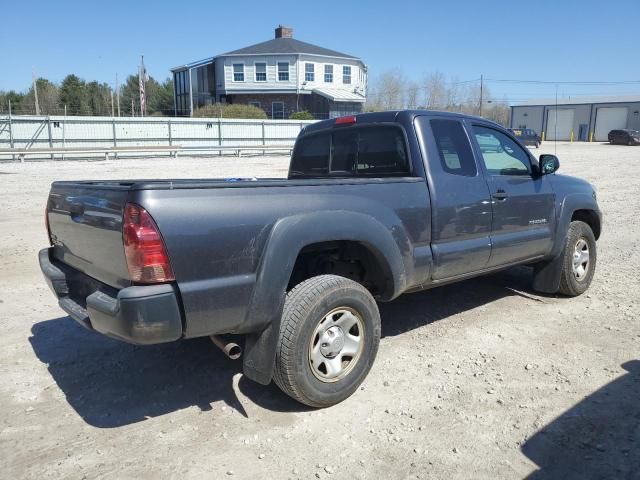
[
  {"x": 579, "y": 262},
  {"x": 329, "y": 338}
]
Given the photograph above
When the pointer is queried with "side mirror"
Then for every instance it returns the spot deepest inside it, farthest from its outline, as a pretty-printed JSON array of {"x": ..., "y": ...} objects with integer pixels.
[{"x": 548, "y": 164}]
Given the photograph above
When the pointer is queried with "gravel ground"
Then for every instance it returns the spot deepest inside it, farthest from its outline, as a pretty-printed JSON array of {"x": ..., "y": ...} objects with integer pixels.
[{"x": 483, "y": 379}]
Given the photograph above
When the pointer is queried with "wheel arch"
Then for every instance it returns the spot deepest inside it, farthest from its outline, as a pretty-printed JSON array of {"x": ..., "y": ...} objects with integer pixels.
[
  {"x": 576, "y": 207},
  {"x": 388, "y": 244},
  {"x": 590, "y": 217}
]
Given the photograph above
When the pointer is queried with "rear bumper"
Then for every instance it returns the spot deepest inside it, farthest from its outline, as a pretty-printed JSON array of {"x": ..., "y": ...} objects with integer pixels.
[{"x": 142, "y": 315}]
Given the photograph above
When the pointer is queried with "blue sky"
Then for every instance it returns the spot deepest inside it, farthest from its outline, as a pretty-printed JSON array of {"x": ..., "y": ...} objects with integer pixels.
[{"x": 541, "y": 40}]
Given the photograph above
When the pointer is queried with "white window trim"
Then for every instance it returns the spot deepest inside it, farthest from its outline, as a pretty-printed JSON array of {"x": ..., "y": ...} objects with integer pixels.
[
  {"x": 347, "y": 75},
  {"x": 233, "y": 72},
  {"x": 272, "y": 109},
  {"x": 312, "y": 72},
  {"x": 278, "y": 71},
  {"x": 324, "y": 77},
  {"x": 255, "y": 72},
  {"x": 255, "y": 103}
]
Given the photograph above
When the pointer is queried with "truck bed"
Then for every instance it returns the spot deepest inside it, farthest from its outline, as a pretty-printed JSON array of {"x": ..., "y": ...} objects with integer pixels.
[{"x": 215, "y": 230}]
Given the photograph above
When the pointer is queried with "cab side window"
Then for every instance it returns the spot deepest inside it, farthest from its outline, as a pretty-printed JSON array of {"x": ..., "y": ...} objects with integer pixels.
[
  {"x": 501, "y": 154},
  {"x": 453, "y": 146}
]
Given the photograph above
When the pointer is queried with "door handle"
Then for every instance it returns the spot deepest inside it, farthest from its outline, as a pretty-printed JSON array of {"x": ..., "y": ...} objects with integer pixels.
[{"x": 500, "y": 195}]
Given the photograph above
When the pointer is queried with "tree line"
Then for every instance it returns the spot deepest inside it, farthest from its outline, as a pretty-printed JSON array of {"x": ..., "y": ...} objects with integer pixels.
[
  {"x": 393, "y": 90},
  {"x": 89, "y": 98}
]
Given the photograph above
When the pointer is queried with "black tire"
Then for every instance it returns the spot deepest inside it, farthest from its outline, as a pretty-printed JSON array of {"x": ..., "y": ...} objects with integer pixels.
[
  {"x": 570, "y": 284},
  {"x": 305, "y": 308},
  {"x": 537, "y": 144}
]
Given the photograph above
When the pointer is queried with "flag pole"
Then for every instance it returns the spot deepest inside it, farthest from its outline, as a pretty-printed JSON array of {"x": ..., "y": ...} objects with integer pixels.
[{"x": 141, "y": 80}]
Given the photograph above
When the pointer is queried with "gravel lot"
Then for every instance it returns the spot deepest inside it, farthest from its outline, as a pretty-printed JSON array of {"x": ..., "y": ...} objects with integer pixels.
[{"x": 483, "y": 379}]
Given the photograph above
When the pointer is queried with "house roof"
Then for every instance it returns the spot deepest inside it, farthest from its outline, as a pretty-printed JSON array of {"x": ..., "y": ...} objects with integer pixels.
[
  {"x": 287, "y": 45},
  {"x": 579, "y": 100},
  {"x": 337, "y": 95},
  {"x": 197, "y": 63}
]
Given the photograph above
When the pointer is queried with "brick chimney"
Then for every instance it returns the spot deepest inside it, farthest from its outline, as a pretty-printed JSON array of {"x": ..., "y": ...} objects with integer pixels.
[{"x": 284, "y": 32}]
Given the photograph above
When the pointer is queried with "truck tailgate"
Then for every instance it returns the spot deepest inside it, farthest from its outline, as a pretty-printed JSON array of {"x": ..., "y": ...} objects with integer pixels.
[{"x": 85, "y": 221}]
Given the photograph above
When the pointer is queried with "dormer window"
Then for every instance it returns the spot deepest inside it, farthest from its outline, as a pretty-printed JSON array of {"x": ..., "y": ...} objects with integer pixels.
[
  {"x": 238, "y": 72},
  {"x": 328, "y": 73},
  {"x": 346, "y": 74},
  {"x": 309, "y": 72},
  {"x": 283, "y": 71}
]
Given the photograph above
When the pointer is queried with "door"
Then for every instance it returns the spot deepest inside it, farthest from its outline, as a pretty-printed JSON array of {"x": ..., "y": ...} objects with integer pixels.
[
  {"x": 523, "y": 204},
  {"x": 582, "y": 132},
  {"x": 564, "y": 123},
  {"x": 609, "y": 118},
  {"x": 277, "y": 110},
  {"x": 460, "y": 199}
]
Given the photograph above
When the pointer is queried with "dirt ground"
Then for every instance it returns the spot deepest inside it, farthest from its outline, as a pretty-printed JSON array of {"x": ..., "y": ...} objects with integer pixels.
[{"x": 482, "y": 379}]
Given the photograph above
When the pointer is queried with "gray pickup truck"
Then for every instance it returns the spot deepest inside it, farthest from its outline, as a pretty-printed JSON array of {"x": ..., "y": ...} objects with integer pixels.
[{"x": 375, "y": 205}]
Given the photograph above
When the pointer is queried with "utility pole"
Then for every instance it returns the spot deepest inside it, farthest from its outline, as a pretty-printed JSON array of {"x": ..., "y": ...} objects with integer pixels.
[
  {"x": 112, "y": 110},
  {"x": 35, "y": 91},
  {"x": 118, "y": 94},
  {"x": 481, "y": 91}
]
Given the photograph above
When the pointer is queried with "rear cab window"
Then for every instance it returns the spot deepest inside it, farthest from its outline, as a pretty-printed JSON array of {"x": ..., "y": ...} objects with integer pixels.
[
  {"x": 362, "y": 151},
  {"x": 454, "y": 150}
]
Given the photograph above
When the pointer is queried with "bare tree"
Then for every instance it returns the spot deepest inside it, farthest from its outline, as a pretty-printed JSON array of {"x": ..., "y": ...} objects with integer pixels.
[
  {"x": 388, "y": 91},
  {"x": 392, "y": 90}
]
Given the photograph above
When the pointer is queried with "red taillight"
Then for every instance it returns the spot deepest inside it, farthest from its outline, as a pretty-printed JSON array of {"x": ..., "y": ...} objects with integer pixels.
[
  {"x": 146, "y": 254},
  {"x": 346, "y": 120}
]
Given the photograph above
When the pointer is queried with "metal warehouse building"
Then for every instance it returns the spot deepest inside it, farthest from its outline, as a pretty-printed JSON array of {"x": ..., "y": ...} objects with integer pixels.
[{"x": 582, "y": 119}]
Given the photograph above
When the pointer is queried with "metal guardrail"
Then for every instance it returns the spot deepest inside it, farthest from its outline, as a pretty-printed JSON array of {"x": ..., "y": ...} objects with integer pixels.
[
  {"x": 52, "y": 136},
  {"x": 173, "y": 150}
]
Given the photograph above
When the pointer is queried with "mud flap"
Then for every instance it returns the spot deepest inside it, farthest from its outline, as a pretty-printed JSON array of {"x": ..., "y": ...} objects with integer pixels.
[
  {"x": 546, "y": 275},
  {"x": 260, "y": 354}
]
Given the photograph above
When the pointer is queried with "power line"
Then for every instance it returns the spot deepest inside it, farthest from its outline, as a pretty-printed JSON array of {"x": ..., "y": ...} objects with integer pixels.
[{"x": 548, "y": 82}]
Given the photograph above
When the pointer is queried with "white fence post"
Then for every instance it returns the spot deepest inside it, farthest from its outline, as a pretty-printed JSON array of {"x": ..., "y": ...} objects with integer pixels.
[
  {"x": 49, "y": 131},
  {"x": 220, "y": 134},
  {"x": 13, "y": 157}
]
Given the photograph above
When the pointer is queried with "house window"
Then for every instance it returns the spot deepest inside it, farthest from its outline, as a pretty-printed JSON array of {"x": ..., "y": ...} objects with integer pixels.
[
  {"x": 261, "y": 72},
  {"x": 238, "y": 72},
  {"x": 283, "y": 71},
  {"x": 346, "y": 74},
  {"x": 277, "y": 110},
  {"x": 309, "y": 72},
  {"x": 255, "y": 104},
  {"x": 328, "y": 73}
]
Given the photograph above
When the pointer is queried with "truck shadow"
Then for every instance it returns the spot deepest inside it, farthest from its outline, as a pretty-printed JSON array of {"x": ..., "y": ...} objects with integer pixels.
[
  {"x": 422, "y": 308},
  {"x": 111, "y": 384},
  {"x": 597, "y": 438}
]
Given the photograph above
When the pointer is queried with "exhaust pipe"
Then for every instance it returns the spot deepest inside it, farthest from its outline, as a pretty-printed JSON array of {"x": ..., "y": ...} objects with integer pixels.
[{"x": 230, "y": 349}]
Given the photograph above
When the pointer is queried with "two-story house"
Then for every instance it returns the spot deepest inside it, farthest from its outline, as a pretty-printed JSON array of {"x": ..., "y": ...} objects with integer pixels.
[{"x": 281, "y": 76}]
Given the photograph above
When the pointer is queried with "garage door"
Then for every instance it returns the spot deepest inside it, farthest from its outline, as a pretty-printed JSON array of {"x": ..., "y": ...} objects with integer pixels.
[
  {"x": 608, "y": 119},
  {"x": 565, "y": 124}
]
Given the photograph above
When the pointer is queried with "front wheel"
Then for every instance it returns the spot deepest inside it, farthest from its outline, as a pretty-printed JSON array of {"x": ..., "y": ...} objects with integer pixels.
[
  {"x": 329, "y": 338},
  {"x": 579, "y": 263}
]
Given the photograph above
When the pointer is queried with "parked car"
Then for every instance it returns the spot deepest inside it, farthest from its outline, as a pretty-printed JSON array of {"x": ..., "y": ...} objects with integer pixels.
[
  {"x": 375, "y": 205},
  {"x": 624, "y": 137},
  {"x": 527, "y": 136}
]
